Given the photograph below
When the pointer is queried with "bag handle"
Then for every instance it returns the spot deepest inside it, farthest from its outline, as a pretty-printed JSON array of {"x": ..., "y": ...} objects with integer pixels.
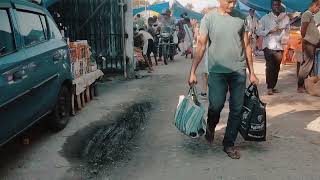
[
  {"x": 253, "y": 89},
  {"x": 193, "y": 93}
]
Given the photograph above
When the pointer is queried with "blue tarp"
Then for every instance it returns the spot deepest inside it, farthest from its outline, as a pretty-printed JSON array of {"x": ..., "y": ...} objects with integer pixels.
[
  {"x": 157, "y": 8},
  {"x": 244, "y": 10},
  {"x": 290, "y": 5},
  {"x": 178, "y": 9}
]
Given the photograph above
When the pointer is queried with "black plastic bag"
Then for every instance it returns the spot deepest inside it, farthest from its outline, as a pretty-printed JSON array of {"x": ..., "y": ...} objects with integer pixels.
[{"x": 254, "y": 122}]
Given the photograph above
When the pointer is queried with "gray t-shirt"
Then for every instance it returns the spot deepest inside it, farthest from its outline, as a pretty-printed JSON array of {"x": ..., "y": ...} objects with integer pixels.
[
  {"x": 226, "y": 53},
  {"x": 312, "y": 35}
]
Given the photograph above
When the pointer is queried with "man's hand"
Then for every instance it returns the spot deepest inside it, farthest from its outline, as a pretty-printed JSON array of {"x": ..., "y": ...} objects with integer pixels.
[
  {"x": 253, "y": 79},
  {"x": 192, "y": 79}
]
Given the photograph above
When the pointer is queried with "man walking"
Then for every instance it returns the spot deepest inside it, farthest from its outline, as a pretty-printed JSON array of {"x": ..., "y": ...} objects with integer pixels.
[
  {"x": 227, "y": 69},
  {"x": 252, "y": 24},
  {"x": 311, "y": 39},
  {"x": 272, "y": 28}
]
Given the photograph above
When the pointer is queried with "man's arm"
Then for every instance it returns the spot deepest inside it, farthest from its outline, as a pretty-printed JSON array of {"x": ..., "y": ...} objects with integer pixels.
[
  {"x": 252, "y": 76},
  {"x": 305, "y": 20},
  {"x": 201, "y": 48},
  {"x": 304, "y": 27}
]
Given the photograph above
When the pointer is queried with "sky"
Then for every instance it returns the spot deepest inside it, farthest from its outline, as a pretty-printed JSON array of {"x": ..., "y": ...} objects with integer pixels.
[{"x": 198, "y": 4}]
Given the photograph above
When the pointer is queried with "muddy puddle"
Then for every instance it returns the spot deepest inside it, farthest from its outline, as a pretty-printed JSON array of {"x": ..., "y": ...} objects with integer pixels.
[{"x": 107, "y": 141}]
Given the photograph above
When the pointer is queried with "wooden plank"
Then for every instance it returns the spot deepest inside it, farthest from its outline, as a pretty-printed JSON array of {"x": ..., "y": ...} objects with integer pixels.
[
  {"x": 87, "y": 94},
  {"x": 83, "y": 99},
  {"x": 95, "y": 89},
  {"x": 73, "y": 108},
  {"x": 79, "y": 104},
  {"x": 91, "y": 91}
]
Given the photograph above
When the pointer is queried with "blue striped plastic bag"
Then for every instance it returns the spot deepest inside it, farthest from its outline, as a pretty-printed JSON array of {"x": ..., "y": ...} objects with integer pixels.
[{"x": 189, "y": 116}]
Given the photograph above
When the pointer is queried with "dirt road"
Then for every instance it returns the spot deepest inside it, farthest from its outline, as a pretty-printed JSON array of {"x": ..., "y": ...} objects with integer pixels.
[{"x": 158, "y": 151}]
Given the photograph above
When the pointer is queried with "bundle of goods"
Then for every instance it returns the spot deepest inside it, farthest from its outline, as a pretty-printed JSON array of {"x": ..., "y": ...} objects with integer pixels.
[
  {"x": 81, "y": 60},
  {"x": 312, "y": 85},
  {"x": 140, "y": 61}
]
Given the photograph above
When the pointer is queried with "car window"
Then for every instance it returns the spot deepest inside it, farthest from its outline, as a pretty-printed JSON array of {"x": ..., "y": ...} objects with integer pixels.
[
  {"x": 7, "y": 43},
  {"x": 54, "y": 31},
  {"x": 31, "y": 28}
]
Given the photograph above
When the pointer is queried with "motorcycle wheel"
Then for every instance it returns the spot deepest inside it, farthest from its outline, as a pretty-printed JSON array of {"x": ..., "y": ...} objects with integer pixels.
[{"x": 165, "y": 55}]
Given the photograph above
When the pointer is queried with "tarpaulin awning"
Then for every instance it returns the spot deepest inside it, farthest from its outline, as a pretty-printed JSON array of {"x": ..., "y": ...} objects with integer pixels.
[
  {"x": 178, "y": 9},
  {"x": 243, "y": 10},
  {"x": 290, "y": 5},
  {"x": 156, "y": 8}
]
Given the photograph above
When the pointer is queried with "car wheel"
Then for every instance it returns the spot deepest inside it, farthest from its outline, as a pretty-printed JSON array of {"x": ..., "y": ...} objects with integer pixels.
[{"x": 60, "y": 115}]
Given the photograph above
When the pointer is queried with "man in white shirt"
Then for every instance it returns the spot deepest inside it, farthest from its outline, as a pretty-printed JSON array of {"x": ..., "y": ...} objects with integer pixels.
[
  {"x": 148, "y": 46},
  {"x": 252, "y": 24},
  {"x": 311, "y": 40},
  {"x": 272, "y": 28}
]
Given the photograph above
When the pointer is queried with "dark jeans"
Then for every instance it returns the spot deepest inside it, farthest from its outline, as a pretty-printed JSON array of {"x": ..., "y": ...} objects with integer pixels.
[
  {"x": 152, "y": 49},
  {"x": 273, "y": 62},
  {"x": 306, "y": 67},
  {"x": 219, "y": 85}
]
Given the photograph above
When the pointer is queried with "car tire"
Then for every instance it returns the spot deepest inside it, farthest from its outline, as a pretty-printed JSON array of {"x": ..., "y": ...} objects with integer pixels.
[{"x": 60, "y": 115}]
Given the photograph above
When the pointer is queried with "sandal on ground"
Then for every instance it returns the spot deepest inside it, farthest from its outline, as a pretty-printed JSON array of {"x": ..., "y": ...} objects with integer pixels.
[{"x": 232, "y": 152}]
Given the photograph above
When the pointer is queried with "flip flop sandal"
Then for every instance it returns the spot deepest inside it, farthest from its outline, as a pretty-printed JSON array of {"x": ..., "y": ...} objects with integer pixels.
[{"x": 232, "y": 153}]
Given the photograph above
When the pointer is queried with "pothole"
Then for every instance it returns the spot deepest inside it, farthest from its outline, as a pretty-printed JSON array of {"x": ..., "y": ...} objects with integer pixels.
[{"x": 107, "y": 141}]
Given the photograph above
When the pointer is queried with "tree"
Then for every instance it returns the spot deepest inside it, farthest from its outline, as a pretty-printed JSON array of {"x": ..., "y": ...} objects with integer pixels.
[
  {"x": 141, "y": 3},
  {"x": 190, "y": 6}
]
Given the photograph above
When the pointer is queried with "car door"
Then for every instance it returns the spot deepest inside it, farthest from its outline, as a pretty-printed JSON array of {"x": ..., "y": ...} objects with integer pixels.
[
  {"x": 14, "y": 77},
  {"x": 42, "y": 63}
]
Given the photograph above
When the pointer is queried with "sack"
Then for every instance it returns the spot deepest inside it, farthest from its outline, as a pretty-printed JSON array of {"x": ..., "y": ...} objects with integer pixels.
[
  {"x": 312, "y": 85},
  {"x": 253, "y": 123},
  {"x": 189, "y": 115}
]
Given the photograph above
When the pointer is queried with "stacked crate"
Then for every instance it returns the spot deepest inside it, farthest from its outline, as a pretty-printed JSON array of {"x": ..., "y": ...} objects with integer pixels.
[{"x": 80, "y": 58}]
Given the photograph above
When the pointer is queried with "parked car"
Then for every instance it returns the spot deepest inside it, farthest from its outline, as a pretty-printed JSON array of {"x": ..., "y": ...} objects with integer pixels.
[{"x": 35, "y": 76}]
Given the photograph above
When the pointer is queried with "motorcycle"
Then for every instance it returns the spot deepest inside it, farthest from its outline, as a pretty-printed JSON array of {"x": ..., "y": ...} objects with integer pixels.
[{"x": 166, "y": 44}]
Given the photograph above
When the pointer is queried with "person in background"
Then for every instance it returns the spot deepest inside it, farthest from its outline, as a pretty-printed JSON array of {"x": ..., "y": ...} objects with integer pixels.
[
  {"x": 138, "y": 50},
  {"x": 165, "y": 21},
  {"x": 227, "y": 69},
  {"x": 151, "y": 28},
  {"x": 176, "y": 39},
  {"x": 148, "y": 46},
  {"x": 272, "y": 28},
  {"x": 252, "y": 24},
  {"x": 311, "y": 40},
  {"x": 188, "y": 39},
  {"x": 182, "y": 33},
  {"x": 139, "y": 22}
]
